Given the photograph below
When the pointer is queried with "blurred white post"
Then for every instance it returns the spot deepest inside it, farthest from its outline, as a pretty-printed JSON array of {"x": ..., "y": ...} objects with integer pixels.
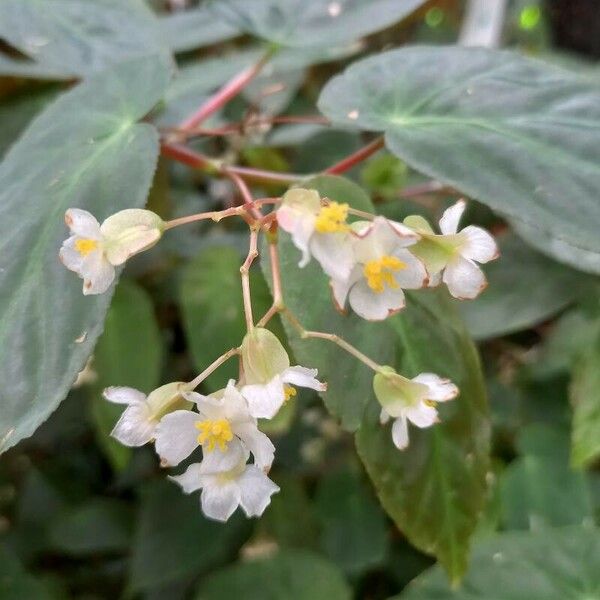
[{"x": 483, "y": 23}]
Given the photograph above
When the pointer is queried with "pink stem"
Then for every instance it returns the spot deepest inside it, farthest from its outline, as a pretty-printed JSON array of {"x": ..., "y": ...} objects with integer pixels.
[{"x": 357, "y": 157}]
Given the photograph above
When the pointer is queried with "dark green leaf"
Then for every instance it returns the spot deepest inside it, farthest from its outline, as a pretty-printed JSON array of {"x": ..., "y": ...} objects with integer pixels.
[
  {"x": 71, "y": 38},
  {"x": 549, "y": 565},
  {"x": 308, "y": 296},
  {"x": 318, "y": 23},
  {"x": 515, "y": 133},
  {"x": 525, "y": 288},
  {"x": 354, "y": 532},
  {"x": 15, "y": 582},
  {"x": 213, "y": 311},
  {"x": 174, "y": 541},
  {"x": 293, "y": 575},
  {"x": 434, "y": 490},
  {"x": 129, "y": 353},
  {"x": 85, "y": 151},
  {"x": 100, "y": 525}
]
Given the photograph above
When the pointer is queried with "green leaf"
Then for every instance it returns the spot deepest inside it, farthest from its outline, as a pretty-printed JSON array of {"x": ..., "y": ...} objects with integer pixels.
[
  {"x": 585, "y": 397},
  {"x": 86, "y": 151},
  {"x": 516, "y": 134},
  {"x": 173, "y": 540},
  {"x": 539, "y": 489},
  {"x": 70, "y": 38},
  {"x": 434, "y": 490},
  {"x": 100, "y": 525},
  {"x": 353, "y": 532},
  {"x": 308, "y": 296},
  {"x": 525, "y": 288},
  {"x": 129, "y": 353},
  {"x": 15, "y": 582},
  {"x": 194, "y": 28},
  {"x": 550, "y": 565},
  {"x": 320, "y": 23},
  {"x": 290, "y": 574},
  {"x": 210, "y": 295}
]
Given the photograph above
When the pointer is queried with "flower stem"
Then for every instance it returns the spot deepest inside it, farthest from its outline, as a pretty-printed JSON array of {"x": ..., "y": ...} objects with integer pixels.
[
  {"x": 230, "y": 90},
  {"x": 245, "y": 274},
  {"x": 213, "y": 367},
  {"x": 357, "y": 157},
  {"x": 215, "y": 215},
  {"x": 278, "y": 304}
]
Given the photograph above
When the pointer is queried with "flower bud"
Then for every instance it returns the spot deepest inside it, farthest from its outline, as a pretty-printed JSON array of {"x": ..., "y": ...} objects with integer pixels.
[
  {"x": 395, "y": 392},
  {"x": 263, "y": 356}
]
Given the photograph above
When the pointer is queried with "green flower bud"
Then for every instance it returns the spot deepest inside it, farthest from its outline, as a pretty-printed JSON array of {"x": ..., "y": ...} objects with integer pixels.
[{"x": 263, "y": 356}]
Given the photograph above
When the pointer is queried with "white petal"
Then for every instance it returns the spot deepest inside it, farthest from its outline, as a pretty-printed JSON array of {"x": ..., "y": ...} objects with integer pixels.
[
  {"x": 135, "y": 427},
  {"x": 341, "y": 287},
  {"x": 384, "y": 416},
  {"x": 191, "y": 480},
  {"x": 220, "y": 501},
  {"x": 440, "y": 389},
  {"x": 236, "y": 407},
  {"x": 375, "y": 306},
  {"x": 256, "y": 490},
  {"x": 414, "y": 275},
  {"x": 124, "y": 395},
  {"x": 405, "y": 235},
  {"x": 435, "y": 280},
  {"x": 422, "y": 415},
  {"x": 257, "y": 442},
  {"x": 209, "y": 407},
  {"x": 400, "y": 433},
  {"x": 83, "y": 223},
  {"x": 465, "y": 280},
  {"x": 301, "y": 226},
  {"x": 176, "y": 436},
  {"x": 334, "y": 253},
  {"x": 479, "y": 245},
  {"x": 451, "y": 217},
  {"x": 97, "y": 272},
  {"x": 264, "y": 400},
  {"x": 217, "y": 461},
  {"x": 69, "y": 256},
  {"x": 303, "y": 377}
]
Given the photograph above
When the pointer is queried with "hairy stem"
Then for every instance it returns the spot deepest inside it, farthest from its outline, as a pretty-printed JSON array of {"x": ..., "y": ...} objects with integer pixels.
[{"x": 213, "y": 367}]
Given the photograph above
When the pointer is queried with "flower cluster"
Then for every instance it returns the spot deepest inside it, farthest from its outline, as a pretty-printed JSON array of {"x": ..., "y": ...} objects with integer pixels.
[
  {"x": 224, "y": 424},
  {"x": 370, "y": 263}
]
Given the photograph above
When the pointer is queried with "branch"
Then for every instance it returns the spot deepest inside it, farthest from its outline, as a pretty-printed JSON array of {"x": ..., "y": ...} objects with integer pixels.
[{"x": 357, "y": 157}]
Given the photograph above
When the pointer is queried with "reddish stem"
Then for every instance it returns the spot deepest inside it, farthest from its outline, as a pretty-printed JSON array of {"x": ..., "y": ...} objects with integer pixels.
[
  {"x": 231, "y": 89},
  {"x": 357, "y": 157}
]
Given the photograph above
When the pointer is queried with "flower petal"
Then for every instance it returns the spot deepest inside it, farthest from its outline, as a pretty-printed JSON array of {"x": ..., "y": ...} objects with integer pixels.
[
  {"x": 264, "y": 400},
  {"x": 465, "y": 280},
  {"x": 176, "y": 436},
  {"x": 422, "y": 415},
  {"x": 257, "y": 442},
  {"x": 375, "y": 306},
  {"x": 333, "y": 251},
  {"x": 209, "y": 407},
  {"x": 301, "y": 226},
  {"x": 400, "y": 433},
  {"x": 191, "y": 480},
  {"x": 219, "y": 501},
  {"x": 124, "y": 395},
  {"x": 83, "y": 223},
  {"x": 414, "y": 275},
  {"x": 303, "y": 377},
  {"x": 451, "y": 217},
  {"x": 135, "y": 427},
  {"x": 440, "y": 389},
  {"x": 256, "y": 490},
  {"x": 97, "y": 272},
  {"x": 384, "y": 416},
  {"x": 69, "y": 256},
  {"x": 479, "y": 245},
  {"x": 219, "y": 461},
  {"x": 236, "y": 407}
]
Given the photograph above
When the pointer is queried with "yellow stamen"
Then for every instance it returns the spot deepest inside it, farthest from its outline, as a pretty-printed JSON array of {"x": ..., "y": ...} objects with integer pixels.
[
  {"x": 332, "y": 218},
  {"x": 289, "y": 392},
  {"x": 431, "y": 403},
  {"x": 85, "y": 246},
  {"x": 214, "y": 433},
  {"x": 379, "y": 273}
]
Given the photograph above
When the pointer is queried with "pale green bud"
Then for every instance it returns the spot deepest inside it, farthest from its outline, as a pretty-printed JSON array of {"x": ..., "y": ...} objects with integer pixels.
[{"x": 263, "y": 356}]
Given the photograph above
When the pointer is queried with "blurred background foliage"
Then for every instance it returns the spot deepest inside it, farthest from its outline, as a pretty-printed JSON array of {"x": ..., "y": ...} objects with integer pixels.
[{"x": 83, "y": 517}]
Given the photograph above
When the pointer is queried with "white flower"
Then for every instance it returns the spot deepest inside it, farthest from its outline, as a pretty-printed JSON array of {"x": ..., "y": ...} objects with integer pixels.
[
  {"x": 227, "y": 482},
  {"x": 411, "y": 400},
  {"x": 93, "y": 250},
  {"x": 384, "y": 267},
  {"x": 452, "y": 256},
  {"x": 137, "y": 425},
  {"x": 268, "y": 378},
  {"x": 318, "y": 230},
  {"x": 221, "y": 418}
]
